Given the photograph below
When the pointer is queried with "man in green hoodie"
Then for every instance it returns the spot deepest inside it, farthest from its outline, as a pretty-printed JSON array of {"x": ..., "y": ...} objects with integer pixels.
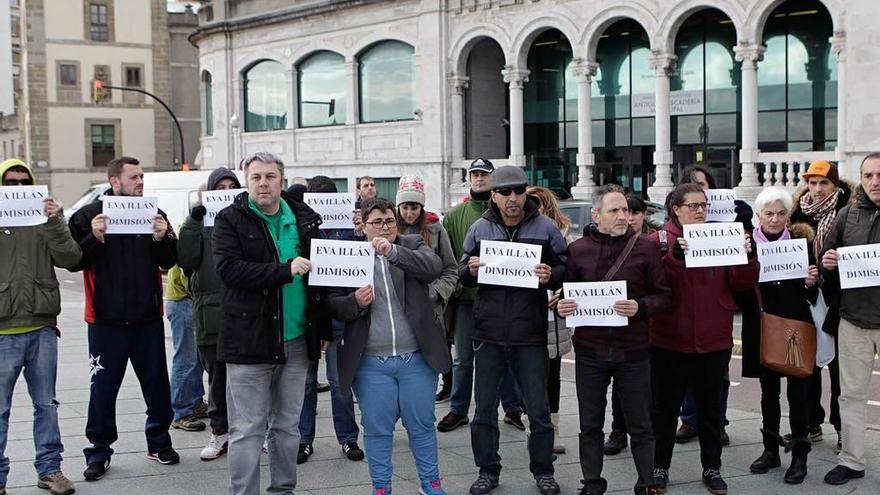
[
  {"x": 457, "y": 222},
  {"x": 29, "y": 306}
]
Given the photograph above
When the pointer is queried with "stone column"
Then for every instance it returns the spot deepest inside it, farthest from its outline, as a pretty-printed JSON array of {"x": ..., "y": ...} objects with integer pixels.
[
  {"x": 458, "y": 83},
  {"x": 583, "y": 73},
  {"x": 292, "y": 90},
  {"x": 838, "y": 46},
  {"x": 516, "y": 78},
  {"x": 749, "y": 55},
  {"x": 351, "y": 108},
  {"x": 663, "y": 64}
]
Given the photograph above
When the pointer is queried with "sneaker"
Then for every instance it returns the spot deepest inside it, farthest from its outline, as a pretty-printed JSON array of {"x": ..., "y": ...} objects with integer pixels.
[
  {"x": 56, "y": 483},
  {"x": 216, "y": 447},
  {"x": 165, "y": 456},
  {"x": 714, "y": 482},
  {"x": 484, "y": 484},
  {"x": 201, "y": 410},
  {"x": 685, "y": 433},
  {"x": 841, "y": 475},
  {"x": 547, "y": 485},
  {"x": 431, "y": 488},
  {"x": 305, "y": 451},
  {"x": 649, "y": 490},
  {"x": 96, "y": 470},
  {"x": 322, "y": 387},
  {"x": 442, "y": 396},
  {"x": 189, "y": 423},
  {"x": 514, "y": 418},
  {"x": 594, "y": 487},
  {"x": 352, "y": 451},
  {"x": 725, "y": 439},
  {"x": 661, "y": 477},
  {"x": 616, "y": 443},
  {"x": 451, "y": 421},
  {"x": 815, "y": 433},
  {"x": 385, "y": 490}
]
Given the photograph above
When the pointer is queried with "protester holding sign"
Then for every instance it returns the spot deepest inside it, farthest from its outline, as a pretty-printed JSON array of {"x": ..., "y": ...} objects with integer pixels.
[
  {"x": 195, "y": 253},
  {"x": 393, "y": 348},
  {"x": 787, "y": 299},
  {"x": 123, "y": 291},
  {"x": 692, "y": 341},
  {"x": 273, "y": 322},
  {"x": 858, "y": 337},
  {"x": 29, "y": 327},
  {"x": 611, "y": 250},
  {"x": 510, "y": 327}
]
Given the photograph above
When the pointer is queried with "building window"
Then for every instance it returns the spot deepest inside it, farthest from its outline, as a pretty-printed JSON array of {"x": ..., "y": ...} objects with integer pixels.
[
  {"x": 208, "y": 103},
  {"x": 103, "y": 144},
  {"x": 265, "y": 97},
  {"x": 387, "y": 82},
  {"x": 99, "y": 22},
  {"x": 68, "y": 74},
  {"x": 68, "y": 88},
  {"x": 386, "y": 187},
  {"x": 322, "y": 94},
  {"x": 133, "y": 77}
]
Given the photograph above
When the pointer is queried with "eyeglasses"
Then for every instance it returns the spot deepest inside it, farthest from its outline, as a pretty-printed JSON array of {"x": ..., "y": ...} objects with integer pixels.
[
  {"x": 697, "y": 206},
  {"x": 505, "y": 191},
  {"x": 18, "y": 182},
  {"x": 378, "y": 224}
]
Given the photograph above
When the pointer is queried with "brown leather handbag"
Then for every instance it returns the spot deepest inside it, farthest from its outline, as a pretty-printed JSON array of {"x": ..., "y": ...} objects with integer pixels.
[{"x": 788, "y": 346}]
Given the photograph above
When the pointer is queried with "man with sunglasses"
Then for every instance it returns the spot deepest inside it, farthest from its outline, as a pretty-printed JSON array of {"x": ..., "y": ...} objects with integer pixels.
[
  {"x": 29, "y": 329},
  {"x": 510, "y": 328}
]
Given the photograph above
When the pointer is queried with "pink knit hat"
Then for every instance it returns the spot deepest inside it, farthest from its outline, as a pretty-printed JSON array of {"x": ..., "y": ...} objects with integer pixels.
[{"x": 411, "y": 189}]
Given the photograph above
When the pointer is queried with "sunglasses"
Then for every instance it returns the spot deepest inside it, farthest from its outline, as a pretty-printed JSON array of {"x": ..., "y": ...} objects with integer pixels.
[
  {"x": 18, "y": 182},
  {"x": 505, "y": 191}
]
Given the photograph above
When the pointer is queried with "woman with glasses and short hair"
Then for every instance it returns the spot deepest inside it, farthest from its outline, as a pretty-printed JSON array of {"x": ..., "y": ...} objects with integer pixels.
[{"x": 692, "y": 342}]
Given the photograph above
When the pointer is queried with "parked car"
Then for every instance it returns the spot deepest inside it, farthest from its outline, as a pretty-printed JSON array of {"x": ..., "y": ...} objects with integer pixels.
[{"x": 579, "y": 212}]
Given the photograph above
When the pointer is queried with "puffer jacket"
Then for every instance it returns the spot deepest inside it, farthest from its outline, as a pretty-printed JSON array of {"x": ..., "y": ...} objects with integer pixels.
[{"x": 513, "y": 315}]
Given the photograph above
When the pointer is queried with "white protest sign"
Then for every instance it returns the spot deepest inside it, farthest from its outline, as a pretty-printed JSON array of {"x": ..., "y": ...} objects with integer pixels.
[
  {"x": 783, "y": 260},
  {"x": 511, "y": 264},
  {"x": 335, "y": 209},
  {"x": 595, "y": 301},
  {"x": 715, "y": 244},
  {"x": 341, "y": 263},
  {"x": 859, "y": 266},
  {"x": 216, "y": 200},
  {"x": 130, "y": 214},
  {"x": 22, "y": 206},
  {"x": 721, "y": 206}
]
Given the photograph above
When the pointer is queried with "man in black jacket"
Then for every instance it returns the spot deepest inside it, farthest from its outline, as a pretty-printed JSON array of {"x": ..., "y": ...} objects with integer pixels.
[
  {"x": 123, "y": 287},
  {"x": 271, "y": 323}
]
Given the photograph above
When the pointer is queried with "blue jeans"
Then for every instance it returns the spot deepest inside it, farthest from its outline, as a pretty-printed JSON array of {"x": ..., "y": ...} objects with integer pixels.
[
  {"x": 37, "y": 354},
  {"x": 389, "y": 388},
  {"x": 341, "y": 401},
  {"x": 186, "y": 371},
  {"x": 688, "y": 411},
  {"x": 463, "y": 368}
]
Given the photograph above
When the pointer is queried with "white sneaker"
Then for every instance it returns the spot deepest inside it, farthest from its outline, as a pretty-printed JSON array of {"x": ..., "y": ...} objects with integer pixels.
[{"x": 216, "y": 447}]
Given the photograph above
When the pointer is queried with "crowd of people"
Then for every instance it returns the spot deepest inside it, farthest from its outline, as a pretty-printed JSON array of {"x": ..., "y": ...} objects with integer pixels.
[{"x": 242, "y": 310}]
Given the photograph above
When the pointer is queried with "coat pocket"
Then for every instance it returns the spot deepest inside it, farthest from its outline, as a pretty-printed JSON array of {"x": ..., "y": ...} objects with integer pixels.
[{"x": 47, "y": 297}]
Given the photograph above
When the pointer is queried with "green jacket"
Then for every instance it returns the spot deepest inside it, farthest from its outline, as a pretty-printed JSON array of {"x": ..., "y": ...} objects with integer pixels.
[
  {"x": 457, "y": 222},
  {"x": 29, "y": 294},
  {"x": 196, "y": 256}
]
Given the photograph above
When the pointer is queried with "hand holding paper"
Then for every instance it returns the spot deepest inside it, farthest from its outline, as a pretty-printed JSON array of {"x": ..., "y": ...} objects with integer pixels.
[
  {"x": 829, "y": 260},
  {"x": 474, "y": 265},
  {"x": 52, "y": 207},
  {"x": 542, "y": 271},
  {"x": 627, "y": 308},
  {"x": 160, "y": 227},
  {"x": 300, "y": 266},
  {"x": 99, "y": 227},
  {"x": 566, "y": 307}
]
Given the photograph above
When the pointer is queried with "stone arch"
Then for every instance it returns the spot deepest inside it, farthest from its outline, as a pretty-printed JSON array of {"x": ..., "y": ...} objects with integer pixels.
[
  {"x": 304, "y": 55},
  {"x": 673, "y": 20},
  {"x": 461, "y": 49},
  {"x": 522, "y": 43},
  {"x": 369, "y": 41},
  {"x": 760, "y": 12},
  {"x": 589, "y": 41}
]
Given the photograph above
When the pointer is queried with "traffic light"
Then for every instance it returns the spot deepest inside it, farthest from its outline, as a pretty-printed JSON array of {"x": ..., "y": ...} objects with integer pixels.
[{"x": 98, "y": 91}]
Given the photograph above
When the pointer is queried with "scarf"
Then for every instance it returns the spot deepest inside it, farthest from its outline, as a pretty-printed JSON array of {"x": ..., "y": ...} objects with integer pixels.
[
  {"x": 760, "y": 236},
  {"x": 823, "y": 213}
]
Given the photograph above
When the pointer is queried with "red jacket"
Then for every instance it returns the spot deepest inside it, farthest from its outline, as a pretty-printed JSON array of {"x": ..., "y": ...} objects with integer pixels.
[{"x": 700, "y": 319}]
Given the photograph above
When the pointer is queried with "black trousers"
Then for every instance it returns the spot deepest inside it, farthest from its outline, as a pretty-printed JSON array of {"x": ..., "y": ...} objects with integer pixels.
[
  {"x": 633, "y": 379},
  {"x": 618, "y": 420},
  {"x": 216, "y": 389},
  {"x": 671, "y": 373},
  {"x": 797, "y": 391},
  {"x": 554, "y": 383}
]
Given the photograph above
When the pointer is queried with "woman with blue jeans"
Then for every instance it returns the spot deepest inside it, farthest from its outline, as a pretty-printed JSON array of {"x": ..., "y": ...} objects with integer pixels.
[{"x": 393, "y": 348}]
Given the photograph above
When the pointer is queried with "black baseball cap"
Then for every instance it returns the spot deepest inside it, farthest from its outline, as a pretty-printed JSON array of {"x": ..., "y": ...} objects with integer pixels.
[{"x": 482, "y": 165}]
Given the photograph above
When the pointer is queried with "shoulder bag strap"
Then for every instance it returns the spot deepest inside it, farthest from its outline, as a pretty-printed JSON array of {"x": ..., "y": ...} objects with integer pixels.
[{"x": 620, "y": 259}]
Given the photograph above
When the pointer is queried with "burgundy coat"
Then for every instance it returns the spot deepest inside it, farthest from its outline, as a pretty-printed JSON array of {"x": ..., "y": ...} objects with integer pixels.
[
  {"x": 589, "y": 259},
  {"x": 700, "y": 319}
]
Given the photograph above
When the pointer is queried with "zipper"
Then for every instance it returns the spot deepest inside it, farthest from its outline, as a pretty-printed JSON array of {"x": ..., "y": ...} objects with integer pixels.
[{"x": 390, "y": 313}]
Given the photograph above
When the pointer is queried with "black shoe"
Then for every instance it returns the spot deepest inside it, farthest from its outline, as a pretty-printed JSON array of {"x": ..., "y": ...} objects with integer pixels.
[
  {"x": 797, "y": 471},
  {"x": 442, "y": 396},
  {"x": 451, "y": 421},
  {"x": 661, "y": 477},
  {"x": 768, "y": 460},
  {"x": 322, "y": 387},
  {"x": 840, "y": 475},
  {"x": 616, "y": 443},
  {"x": 685, "y": 433},
  {"x": 305, "y": 451},
  {"x": 649, "y": 490},
  {"x": 714, "y": 482},
  {"x": 514, "y": 418},
  {"x": 594, "y": 487},
  {"x": 547, "y": 485},
  {"x": 725, "y": 439},
  {"x": 165, "y": 456},
  {"x": 95, "y": 470},
  {"x": 352, "y": 451},
  {"x": 484, "y": 484}
]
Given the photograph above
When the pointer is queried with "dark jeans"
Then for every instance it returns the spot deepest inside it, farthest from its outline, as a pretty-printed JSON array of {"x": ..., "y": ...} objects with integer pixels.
[
  {"x": 797, "y": 390},
  {"x": 618, "y": 420},
  {"x": 688, "y": 413},
  {"x": 671, "y": 373},
  {"x": 529, "y": 367},
  {"x": 216, "y": 389},
  {"x": 633, "y": 380},
  {"x": 554, "y": 383}
]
